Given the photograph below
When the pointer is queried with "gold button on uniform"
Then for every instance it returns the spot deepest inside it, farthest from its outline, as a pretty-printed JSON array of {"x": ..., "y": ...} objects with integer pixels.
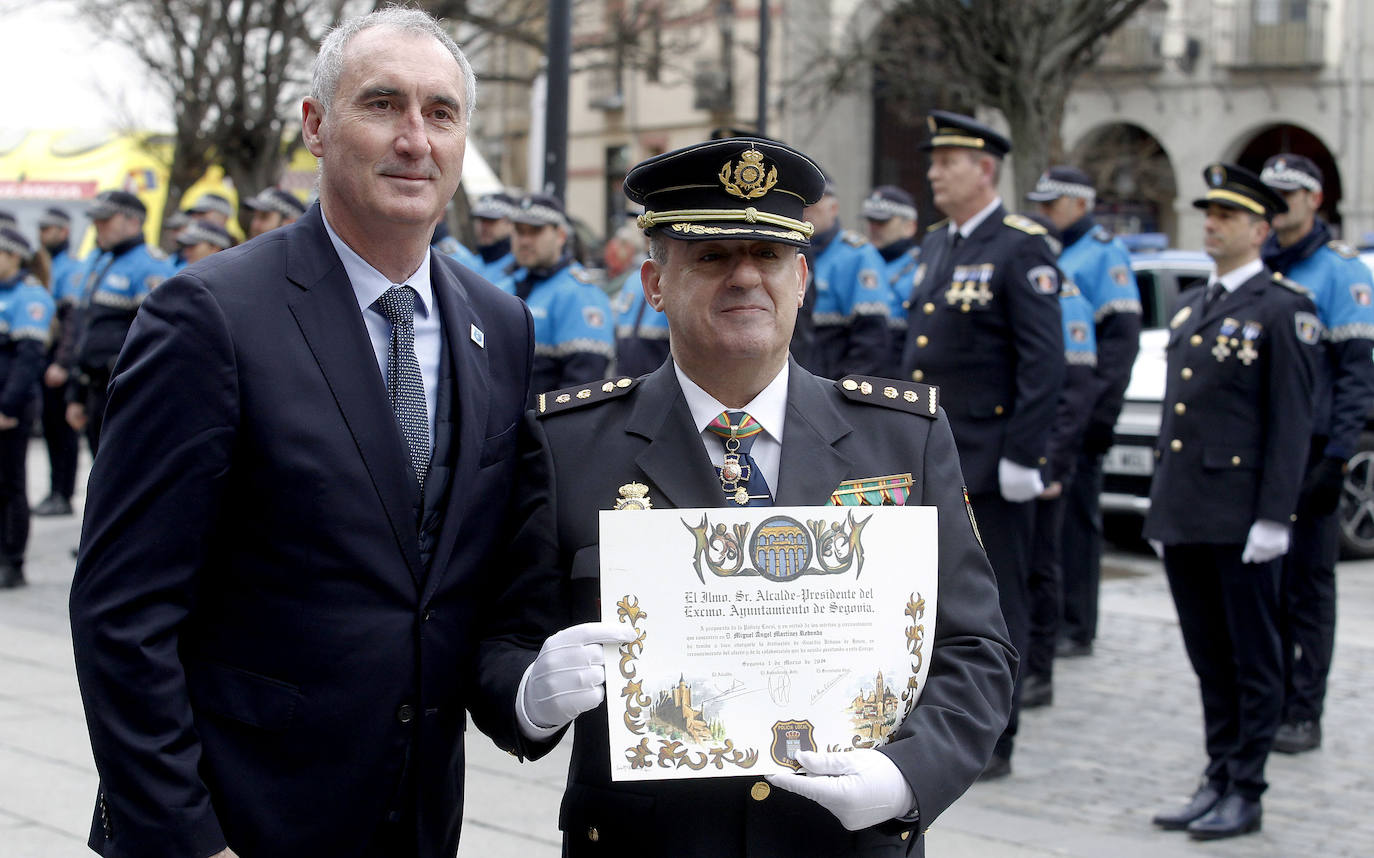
[
  {"x": 1175, "y": 445},
  {"x": 1195, "y": 339},
  {"x": 593, "y": 835},
  {"x": 760, "y": 791},
  {"x": 998, "y": 410},
  {"x": 917, "y": 375},
  {"x": 1179, "y": 408},
  {"x": 928, "y": 308},
  {"x": 1187, "y": 373},
  {"x": 906, "y": 835},
  {"x": 1235, "y": 460},
  {"x": 922, "y": 341}
]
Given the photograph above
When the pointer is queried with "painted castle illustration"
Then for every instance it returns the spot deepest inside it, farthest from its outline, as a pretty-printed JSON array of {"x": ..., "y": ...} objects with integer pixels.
[
  {"x": 673, "y": 716},
  {"x": 875, "y": 712}
]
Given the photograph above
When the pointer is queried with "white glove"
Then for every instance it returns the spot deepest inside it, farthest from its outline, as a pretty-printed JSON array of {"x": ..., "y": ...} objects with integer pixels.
[
  {"x": 1018, "y": 483},
  {"x": 1157, "y": 547},
  {"x": 567, "y": 677},
  {"x": 1267, "y": 540},
  {"x": 861, "y": 787}
]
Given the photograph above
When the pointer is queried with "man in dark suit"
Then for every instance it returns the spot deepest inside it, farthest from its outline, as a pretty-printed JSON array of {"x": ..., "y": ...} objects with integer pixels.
[
  {"x": 727, "y": 271},
  {"x": 307, "y": 455},
  {"x": 984, "y": 324},
  {"x": 1232, "y": 448}
]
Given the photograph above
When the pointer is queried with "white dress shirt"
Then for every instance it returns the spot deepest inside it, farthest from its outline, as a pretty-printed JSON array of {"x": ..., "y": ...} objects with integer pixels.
[
  {"x": 769, "y": 410},
  {"x": 967, "y": 227},
  {"x": 1232, "y": 280},
  {"x": 368, "y": 286}
]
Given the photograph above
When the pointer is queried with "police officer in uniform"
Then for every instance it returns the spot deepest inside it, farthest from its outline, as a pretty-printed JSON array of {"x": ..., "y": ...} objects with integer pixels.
[
  {"x": 54, "y": 231},
  {"x": 984, "y": 324},
  {"x": 891, "y": 216},
  {"x": 26, "y": 311},
  {"x": 121, "y": 275},
  {"x": 731, "y": 283},
  {"x": 273, "y": 208},
  {"x": 1099, "y": 264},
  {"x": 641, "y": 332},
  {"x": 848, "y": 304},
  {"x": 1076, "y": 400},
  {"x": 1301, "y": 248},
  {"x": 491, "y": 221},
  {"x": 574, "y": 337},
  {"x": 1237, "y": 420},
  {"x": 202, "y": 239},
  {"x": 213, "y": 208}
]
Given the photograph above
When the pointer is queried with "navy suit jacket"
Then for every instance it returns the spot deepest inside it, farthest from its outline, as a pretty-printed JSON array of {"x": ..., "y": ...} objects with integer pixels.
[{"x": 270, "y": 623}]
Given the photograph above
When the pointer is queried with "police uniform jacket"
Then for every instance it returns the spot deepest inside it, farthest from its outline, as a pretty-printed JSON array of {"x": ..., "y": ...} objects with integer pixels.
[
  {"x": 580, "y": 456},
  {"x": 26, "y": 311},
  {"x": 274, "y": 629},
  {"x": 851, "y": 307},
  {"x": 641, "y": 332},
  {"x": 1342, "y": 289},
  {"x": 1237, "y": 412},
  {"x": 901, "y": 259},
  {"x": 984, "y": 325},
  {"x": 1080, "y": 390},
  {"x": 574, "y": 337},
  {"x": 1100, "y": 266},
  {"x": 119, "y": 282},
  {"x": 459, "y": 252}
]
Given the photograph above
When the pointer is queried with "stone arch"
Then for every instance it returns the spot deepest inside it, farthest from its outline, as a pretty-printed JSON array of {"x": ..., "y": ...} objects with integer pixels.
[
  {"x": 1135, "y": 178},
  {"x": 1252, "y": 149}
]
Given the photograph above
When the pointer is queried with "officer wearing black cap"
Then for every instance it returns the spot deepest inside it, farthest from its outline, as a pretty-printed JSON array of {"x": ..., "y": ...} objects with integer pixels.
[
  {"x": 891, "y": 216},
  {"x": 725, "y": 224},
  {"x": 201, "y": 239},
  {"x": 272, "y": 208},
  {"x": 984, "y": 324},
  {"x": 54, "y": 231},
  {"x": 1237, "y": 421},
  {"x": 574, "y": 331},
  {"x": 1302, "y": 248},
  {"x": 26, "y": 311},
  {"x": 845, "y": 318},
  {"x": 120, "y": 275},
  {"x": 1100, "y": 267},
  {"x": 491, "y": 216}
]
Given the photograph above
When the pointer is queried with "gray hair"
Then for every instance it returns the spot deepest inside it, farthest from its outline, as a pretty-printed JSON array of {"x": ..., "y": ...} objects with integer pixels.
[
  {"x": 658, "y": 247},
  {"x": 324, "y": 74}
]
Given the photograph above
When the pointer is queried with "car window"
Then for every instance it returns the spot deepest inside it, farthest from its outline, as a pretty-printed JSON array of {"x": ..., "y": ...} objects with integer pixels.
[{"x": 1148, "y": 282}]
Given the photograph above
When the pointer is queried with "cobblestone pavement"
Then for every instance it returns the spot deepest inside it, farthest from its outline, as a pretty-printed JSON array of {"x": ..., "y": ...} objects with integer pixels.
[{"x": 1122, "y": 740}]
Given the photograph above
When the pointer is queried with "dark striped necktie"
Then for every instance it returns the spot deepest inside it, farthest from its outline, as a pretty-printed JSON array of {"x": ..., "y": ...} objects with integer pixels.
[{"x": 405, "y": 386}]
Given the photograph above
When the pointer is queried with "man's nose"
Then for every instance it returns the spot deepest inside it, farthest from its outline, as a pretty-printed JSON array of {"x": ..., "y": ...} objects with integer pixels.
[{"x": 411, "y": 136}]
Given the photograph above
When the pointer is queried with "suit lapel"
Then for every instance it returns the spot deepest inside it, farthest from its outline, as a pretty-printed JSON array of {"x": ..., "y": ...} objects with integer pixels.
[
  {"x": 675, "y": 460},
  {"x": 1232, "y": 304},
  {"x": 326, "y": 310},
  {"x": 470, "y": 405},
  {"x": 811, "y": 467}
]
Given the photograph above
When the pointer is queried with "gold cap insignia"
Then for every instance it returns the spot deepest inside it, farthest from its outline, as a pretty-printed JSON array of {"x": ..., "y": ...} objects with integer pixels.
[
  {"x": 749, "y": 179},
  {"x": 1216, "y": 175},
  {"x": 634, "y": 496}
]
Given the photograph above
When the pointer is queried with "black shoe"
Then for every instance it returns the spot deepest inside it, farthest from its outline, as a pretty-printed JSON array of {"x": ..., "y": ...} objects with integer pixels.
[
  {"x": 1294, "y": 737},
  {"x": 1197, "y": 807},
  {"x": 1233, "y": 816},
  {"x": 997, "y": 767},
  {"x": 54, "y": 505},
  {"x": 1067, "y": 648},
  {"x": 1037, "y": 691},
  {"x": 11, "y": 577}
]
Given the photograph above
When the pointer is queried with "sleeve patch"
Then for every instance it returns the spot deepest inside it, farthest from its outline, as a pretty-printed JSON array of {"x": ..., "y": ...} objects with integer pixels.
[
  {"x": 593, "y": 317},
  {"x": 1044, "y": 279},
  {"x": 1308, "y": 327},
  {"x": 1362, "y": 294},
  {"x": 1120, "y": 274}
]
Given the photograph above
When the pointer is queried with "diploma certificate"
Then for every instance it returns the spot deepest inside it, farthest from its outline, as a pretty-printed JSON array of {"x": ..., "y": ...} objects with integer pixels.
[{"x": 763, "y": 631}]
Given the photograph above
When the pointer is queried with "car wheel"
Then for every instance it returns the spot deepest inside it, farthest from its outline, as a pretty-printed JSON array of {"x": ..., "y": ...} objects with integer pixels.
[{"x": 1356, "y": 509}]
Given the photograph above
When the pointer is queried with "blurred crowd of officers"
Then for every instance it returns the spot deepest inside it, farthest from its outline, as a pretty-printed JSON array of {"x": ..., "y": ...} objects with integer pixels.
[{"x": 1028, "y": 322}]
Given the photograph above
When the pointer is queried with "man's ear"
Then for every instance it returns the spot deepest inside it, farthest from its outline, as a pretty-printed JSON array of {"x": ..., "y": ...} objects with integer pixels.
[
  {"x": 312, "y": 117},
  {"x": 649, "y": 276},
  {"x": 804, "y": 269}
]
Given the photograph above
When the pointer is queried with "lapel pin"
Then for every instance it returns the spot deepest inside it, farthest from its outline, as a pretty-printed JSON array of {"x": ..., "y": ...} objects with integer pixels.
[{"x": 478, "y": 337}]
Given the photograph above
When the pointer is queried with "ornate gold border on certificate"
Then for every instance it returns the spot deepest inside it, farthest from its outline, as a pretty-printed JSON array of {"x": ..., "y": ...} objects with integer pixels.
[{"x": 669, "y": 753}]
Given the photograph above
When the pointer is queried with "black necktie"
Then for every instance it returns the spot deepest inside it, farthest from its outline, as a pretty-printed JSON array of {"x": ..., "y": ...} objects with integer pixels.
[
  {"x": 1214, "y": 293},
  {"x": 405, "y": 386}
]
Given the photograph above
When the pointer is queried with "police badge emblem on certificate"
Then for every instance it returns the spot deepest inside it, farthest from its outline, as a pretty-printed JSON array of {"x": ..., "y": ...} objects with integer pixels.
[{"x": 762, "y": 631}]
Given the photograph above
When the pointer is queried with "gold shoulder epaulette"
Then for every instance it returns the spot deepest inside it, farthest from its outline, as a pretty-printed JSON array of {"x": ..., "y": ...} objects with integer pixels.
[
  {"x": 922, "y": 399},
  {"x": 1342, "y": 249},
  {"x": 938, "y": 225},
  {"x": 575, "y": 397},
  {"x": 1292, "y": 285},
  {"x": 853, "y": 239},
  {"x": 1023, "y": 223},
  {"x": 1102, "y": 234}
]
